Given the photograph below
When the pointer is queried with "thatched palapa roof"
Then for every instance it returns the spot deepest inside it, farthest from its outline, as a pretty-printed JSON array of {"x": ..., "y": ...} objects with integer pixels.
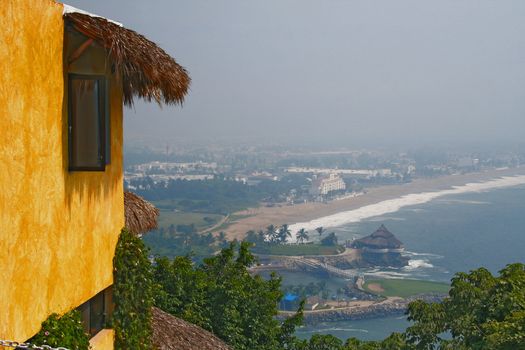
[
  {"x": 172, "y": 333},
  {"x": 147, "y": 71},
  {"x": 141, "y": 216},
  {"x": 380, "y": 239}
]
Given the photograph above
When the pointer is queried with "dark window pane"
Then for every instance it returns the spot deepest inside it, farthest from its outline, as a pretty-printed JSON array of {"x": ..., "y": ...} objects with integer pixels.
[
  {"x": 97, "y": 313},
  {"x": 84, "y": 311},
  {"x": 87, "y": 123},
  {"x": 109, "y": 306},
  {"x": 108, "y": 131}
]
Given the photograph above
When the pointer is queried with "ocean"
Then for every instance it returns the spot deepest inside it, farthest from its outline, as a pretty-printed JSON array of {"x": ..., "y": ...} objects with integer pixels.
[{"x": 459, "y": 230}]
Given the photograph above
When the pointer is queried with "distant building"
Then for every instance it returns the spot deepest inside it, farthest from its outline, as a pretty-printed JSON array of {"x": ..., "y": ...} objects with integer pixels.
[
  {"x": 381, "y": 241},
  {"x": 325, "y": 185},
  {"x": 359, "y": 173},
  {"x": 467, "y": 162},
  {"x": 381, "y": 248},
  {"x": 172, "y": 167}
]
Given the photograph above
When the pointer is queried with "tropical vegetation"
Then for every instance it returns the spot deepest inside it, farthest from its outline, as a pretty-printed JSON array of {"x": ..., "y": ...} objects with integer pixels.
[
  {"x": 221, "y": 296},
  {"x": 482, "y": 311},
  {"x": 132, "y": 293},
  {"x": 62, "y": 331}
]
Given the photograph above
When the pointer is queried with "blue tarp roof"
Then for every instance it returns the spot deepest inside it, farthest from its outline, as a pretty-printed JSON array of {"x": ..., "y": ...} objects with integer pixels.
[{"x": 290, "y": 297}]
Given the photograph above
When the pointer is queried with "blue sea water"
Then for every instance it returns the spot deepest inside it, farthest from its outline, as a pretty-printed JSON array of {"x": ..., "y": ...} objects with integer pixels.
[{"x": 446, "y": 235}]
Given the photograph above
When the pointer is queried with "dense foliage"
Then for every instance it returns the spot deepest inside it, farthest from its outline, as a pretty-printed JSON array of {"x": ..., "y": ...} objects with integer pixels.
[
  {"x": 482, "y": 312},
  {"x": 221, "y": 196},
  {"x": 133, "y": 294},
  {"x": 220, "y": 295},
  {"x": 183, "y": 240},
  {"x": 330, "y": 239},
  {"x": 65, "y": 331}
]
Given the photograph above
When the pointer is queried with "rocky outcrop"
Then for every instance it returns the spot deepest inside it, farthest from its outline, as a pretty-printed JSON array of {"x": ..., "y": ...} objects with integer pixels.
[{"x": 386, "y": 259}]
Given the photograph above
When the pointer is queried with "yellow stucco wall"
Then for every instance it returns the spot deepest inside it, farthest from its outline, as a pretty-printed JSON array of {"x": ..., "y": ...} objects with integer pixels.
[
  {"x": 58, "y": 230},
  {"x": 103, "y": 340}
]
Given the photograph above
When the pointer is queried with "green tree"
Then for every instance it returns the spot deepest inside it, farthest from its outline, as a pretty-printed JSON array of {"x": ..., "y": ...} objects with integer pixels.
[
  {"x": 252, "y": 236},
  {"x": 271, "y": 232},
  {"x": 329, "y": 240},
  {"x": 302, "y": 235},
  {"x": 320, "y": 230},
  {"x": 262, "y": 236},
  {"x": 320, "y": 342},
  {"x": 481, "y": 312},
  {"x": 222, "y": 296},
  {"x": 283, "y": 233},
  {"x": 180, "y": 289},
  {"x": 396, "y": 341}
]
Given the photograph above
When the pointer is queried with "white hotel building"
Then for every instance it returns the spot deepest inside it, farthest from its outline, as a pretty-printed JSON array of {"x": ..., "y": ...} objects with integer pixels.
[{"x": 325, "y": 185}]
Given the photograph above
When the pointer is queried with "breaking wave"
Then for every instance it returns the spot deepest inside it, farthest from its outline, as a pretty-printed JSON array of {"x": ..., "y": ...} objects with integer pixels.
[
  {"x": 418, "y": 264},
  {"x": 393, "y": 205}
]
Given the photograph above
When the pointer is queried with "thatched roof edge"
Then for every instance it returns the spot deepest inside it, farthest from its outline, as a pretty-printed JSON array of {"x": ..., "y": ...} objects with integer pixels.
[
  {"x": 147, "y": 71},
  {"x": 141, "y": 216},
  {"x": 172, "y": 333},
  {"x": 381, "y": 238}
]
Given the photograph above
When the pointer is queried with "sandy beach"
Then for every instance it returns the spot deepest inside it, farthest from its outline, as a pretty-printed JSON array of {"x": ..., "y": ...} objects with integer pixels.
[{"x": 259, "y": 218}]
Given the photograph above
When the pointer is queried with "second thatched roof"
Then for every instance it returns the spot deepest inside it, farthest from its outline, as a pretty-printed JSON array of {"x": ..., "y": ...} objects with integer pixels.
[
  {"x": 380, "y": 239},
  {"x": 172, "y": 333},
  {"x": 141, "y": 216},
  {"x": 147, "y": 71}
]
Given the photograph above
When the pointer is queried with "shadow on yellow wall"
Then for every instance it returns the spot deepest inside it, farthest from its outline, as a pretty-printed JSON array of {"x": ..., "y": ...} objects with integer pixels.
[{"x": 58, "y": 228}]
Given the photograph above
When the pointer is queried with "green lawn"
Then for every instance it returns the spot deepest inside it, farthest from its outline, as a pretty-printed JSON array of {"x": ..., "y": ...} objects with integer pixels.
[
  {"x": 404, "y": 288},
  {"x": 169, "y": 217},
  {"x": 297, "y": 249}
]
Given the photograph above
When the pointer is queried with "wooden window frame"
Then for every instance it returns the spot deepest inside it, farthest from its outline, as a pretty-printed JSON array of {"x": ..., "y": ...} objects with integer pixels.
[
  {"x": 89, "y": 321},
  {"x": 102, "y": 115}
]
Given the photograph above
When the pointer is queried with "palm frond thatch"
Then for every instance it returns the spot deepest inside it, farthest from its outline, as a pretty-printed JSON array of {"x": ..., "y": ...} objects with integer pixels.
[
  {"x": 380, "y": 239},
  {"x": 172, "y": 333},
  {"x": 141, "y": 215},
  {"x": 147, "y": 71}
]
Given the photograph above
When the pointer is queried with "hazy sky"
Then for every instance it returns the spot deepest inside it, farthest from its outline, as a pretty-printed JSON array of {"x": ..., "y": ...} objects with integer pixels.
[{"x": 351, "y": 71}]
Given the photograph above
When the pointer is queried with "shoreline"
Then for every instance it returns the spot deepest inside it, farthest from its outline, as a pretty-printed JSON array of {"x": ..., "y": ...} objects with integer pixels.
[
  {"x": 259, "y": 218},
  {"x": 389, "y": 307}
]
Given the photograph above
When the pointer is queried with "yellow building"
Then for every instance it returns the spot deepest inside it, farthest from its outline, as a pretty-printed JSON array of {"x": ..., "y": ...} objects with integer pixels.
[{"x": 65, "y": 77}]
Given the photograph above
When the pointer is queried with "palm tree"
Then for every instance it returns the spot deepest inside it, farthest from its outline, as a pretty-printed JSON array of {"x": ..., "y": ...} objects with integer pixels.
[
  {"x": 284, "y": 233},
  {"x": 320, "y": 230},
  {"x": 302, "y": 235},
  {"x": 261, "y": 235},
  {"x": 270, "y": 233}
]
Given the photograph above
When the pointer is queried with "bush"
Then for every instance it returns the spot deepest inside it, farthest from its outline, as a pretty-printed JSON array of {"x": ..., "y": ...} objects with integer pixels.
[
  {"x": 65, "y": 331},
  {"x": 133, "y": 294}
]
